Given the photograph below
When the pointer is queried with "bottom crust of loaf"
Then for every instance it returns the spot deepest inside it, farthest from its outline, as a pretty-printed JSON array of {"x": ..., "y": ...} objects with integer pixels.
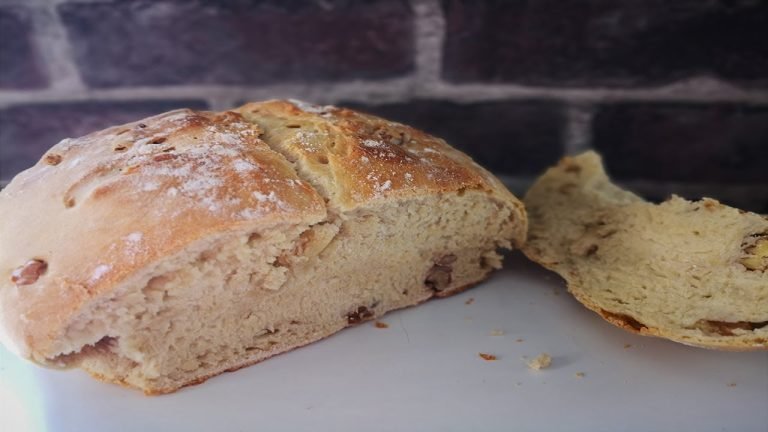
[{"x": 245, "y": 297}]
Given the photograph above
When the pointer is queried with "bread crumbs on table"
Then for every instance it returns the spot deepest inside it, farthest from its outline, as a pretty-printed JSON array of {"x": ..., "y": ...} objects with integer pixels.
[
  {"x": 580, "y": 374},
  {"x": 496, "y": 332},
  {"x": 487, "y": 357},
  {"x": 627, "y": 346},
  {"x": 543, "y": 361},
  {"x": 469, "y": 301},
  {"x": 732, "y": 384},
  {"x": 519, "y": 340},
  {"x": 381, "y": 325}
]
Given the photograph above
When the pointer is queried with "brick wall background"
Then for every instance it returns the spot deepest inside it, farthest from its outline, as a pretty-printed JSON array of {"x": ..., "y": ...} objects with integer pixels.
[{"x": 673, "y": 93}]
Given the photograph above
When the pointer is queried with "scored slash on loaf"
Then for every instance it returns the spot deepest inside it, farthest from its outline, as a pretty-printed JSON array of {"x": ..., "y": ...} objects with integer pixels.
[{"x": 160, "y": 253}]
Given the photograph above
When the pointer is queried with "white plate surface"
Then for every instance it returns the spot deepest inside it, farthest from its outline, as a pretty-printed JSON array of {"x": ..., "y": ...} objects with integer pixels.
[{"x": 423, "y": 373}]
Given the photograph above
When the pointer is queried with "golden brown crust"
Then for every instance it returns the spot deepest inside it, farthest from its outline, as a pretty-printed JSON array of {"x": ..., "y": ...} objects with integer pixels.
[
  {"x": 366, "y": 159},
  {"x": 119, "y": 199}
]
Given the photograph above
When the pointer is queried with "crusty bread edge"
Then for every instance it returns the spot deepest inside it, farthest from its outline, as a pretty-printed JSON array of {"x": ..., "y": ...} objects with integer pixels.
[
  {"x": 618, "y": 320},
  {"x": 629, "y": 323}
]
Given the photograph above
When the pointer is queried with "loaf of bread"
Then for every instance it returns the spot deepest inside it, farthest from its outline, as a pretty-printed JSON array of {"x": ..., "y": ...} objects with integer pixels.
[
  {"x": 693, "y": 272},
  {"x": 163, "y": 252}
]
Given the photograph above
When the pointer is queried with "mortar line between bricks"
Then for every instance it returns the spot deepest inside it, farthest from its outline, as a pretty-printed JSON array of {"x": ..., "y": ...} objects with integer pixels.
[
  {"x": 387, "y": 91},
  {"x": 219, "y": 102},
  {"x": 393, "y": 90},
  {"x": 429, "y": 23},
  {"x": 578, "y": 128},
  {"x": 52, "y": 43},
  {"x": 682, "y": 91}
]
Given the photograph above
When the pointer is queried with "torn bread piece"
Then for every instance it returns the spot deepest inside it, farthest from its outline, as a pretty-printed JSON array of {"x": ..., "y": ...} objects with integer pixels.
[
  {"x": 693, "y": 272},
  {"x": 160, "y": 253}
]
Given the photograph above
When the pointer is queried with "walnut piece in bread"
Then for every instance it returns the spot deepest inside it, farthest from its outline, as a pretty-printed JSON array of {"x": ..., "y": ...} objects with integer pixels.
[
  {"x": 692, "y": 272},
  {"x": 160, "y": 253}
]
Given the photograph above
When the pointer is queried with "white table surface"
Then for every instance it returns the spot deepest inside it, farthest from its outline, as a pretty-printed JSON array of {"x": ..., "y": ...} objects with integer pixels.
[{"x": 423, "y": 373}]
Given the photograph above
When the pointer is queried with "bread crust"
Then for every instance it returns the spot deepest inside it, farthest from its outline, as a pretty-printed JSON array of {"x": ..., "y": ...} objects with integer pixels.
[
  {"x": 116, "y": 203},
  {"x": 360, "y": 160},
  {"x": 564, "y": 205},
  {"x": 100, "y": 209}
]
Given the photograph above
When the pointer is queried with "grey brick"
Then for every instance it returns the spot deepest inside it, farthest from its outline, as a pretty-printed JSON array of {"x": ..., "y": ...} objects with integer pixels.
[
  {"x": 142, "y": 42},
  {"x": 687, "y": 143},
  {"x": 20, "y": 64},
  {"x": 605, "y": 42}
]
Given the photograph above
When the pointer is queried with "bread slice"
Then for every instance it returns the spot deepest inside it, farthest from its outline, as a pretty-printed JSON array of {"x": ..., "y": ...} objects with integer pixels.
[
  {"x": 692, "y": 272},
  {"x": 160, "y": 253}
]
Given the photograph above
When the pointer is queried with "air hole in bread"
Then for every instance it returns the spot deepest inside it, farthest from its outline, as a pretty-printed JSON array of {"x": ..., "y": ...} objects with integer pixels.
[
  {"x": 293, "y": 126},
  {"x": 440, "y": 275},
  {"x": 281, "y": 261},
  {"x": 323, "y": 159},
  {"x": 106, "y": 347},
  {"x": 359, "y": 315},
  {"x": 120, "y": 148},
  {"x": 208, "y": 255},
  {"x": 724, "y": 328},
  {"x": 107, "y": 343},
  {"x": 253, "y": 238},
  {"x": 169, "y": 149},
  {"x": 585, "y": 246},
  {"x": 69, "y": 202},
  {"x": 484, "y": 263},
  {"x": 267, "y": 331},
  {"x": 53, "y": 159},
  {"x": 158, "y": 140}
]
